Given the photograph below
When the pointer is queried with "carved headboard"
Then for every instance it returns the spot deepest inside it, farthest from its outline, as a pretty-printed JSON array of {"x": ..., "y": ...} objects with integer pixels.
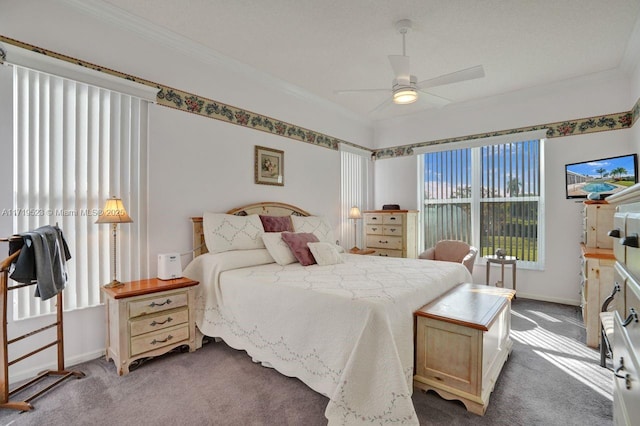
[{"x": 266, "y": 209}]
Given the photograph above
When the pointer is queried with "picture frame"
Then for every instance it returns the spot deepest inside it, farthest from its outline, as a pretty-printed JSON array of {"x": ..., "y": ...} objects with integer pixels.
[{"x": 269, "y": 166}]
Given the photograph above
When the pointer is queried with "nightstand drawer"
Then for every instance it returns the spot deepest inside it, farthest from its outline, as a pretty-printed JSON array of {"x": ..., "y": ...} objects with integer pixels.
[
  {"x": 158, "y": 321},
  {"x": 384, "y": 241},
  {"x": 157, "y": 304},
  {"x": 150, "y": 341}
]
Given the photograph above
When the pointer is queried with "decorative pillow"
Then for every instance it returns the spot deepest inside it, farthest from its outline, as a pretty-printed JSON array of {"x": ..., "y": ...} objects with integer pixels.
[
  {"x": 225, "y": 232},
  {"x": 325, "y": 253},
  {"x": 278, "y": 249},
  {"x": 297, "y": 242},
  {"x": 276, "y": 223},
  {"x": 318, "y": 225}
]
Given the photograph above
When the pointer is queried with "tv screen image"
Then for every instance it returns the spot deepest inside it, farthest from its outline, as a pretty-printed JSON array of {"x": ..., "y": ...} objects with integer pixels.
[{"x": 601, "y": 177}]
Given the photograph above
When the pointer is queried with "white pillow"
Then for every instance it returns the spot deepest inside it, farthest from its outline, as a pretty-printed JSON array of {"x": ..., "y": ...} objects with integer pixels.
[
  {"x": 278, "y": 249},
  {"x": 317, "y": 225},
  {"x": 325, "y": 253},
  {"x": 225, "y": 232}
]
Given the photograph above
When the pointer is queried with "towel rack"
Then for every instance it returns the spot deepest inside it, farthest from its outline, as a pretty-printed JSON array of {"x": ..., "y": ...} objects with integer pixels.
[{"x": 5, "y": 394}]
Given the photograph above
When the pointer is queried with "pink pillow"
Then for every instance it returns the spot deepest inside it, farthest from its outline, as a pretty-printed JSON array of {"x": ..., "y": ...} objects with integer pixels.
[
  {"x": 276, "y": 223},
  {"x": 297, "y": 243}
]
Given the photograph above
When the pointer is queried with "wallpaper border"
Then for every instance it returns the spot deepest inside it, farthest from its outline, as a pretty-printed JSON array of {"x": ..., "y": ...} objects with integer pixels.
[{"x": 192, "y": 103}]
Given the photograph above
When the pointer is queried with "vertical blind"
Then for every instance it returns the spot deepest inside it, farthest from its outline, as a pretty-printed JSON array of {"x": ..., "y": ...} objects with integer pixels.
[
  {"x": 354, "y": 191},
  {"x": 75, "y": 145}
]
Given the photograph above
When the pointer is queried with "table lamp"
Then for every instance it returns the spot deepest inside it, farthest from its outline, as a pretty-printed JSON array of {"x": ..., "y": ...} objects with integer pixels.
[{"x": 114, "y": 213}]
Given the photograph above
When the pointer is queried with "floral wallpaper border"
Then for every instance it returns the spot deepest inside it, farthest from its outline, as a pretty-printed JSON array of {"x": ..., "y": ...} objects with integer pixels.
[
  {"x": 602, "y": 123},
  {"x": 189, "y": 102}
]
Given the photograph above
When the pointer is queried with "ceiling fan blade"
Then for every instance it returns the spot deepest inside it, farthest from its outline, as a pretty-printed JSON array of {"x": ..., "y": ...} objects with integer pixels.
[
  {"x": 342, "y": 92},
  {"x": 400, "y": 65},
  {"x": 454, "y": 77},
  {"x": 436, "y": 100},
  {"x": 387, "y": 102}
]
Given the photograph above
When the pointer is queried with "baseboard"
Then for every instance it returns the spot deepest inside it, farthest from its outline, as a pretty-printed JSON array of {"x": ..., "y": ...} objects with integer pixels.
[
  {"x": 19, "y": 376},
  {"x": 569, "y": 302}
]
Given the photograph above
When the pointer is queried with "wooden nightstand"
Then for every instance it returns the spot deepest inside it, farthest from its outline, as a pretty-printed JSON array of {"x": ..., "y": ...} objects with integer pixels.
[
  {"x": 361, "y": 251},
  {"x": 148, "y": 318}
]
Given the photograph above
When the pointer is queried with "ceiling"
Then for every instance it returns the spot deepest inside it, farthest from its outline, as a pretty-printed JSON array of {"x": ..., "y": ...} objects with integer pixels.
[{"x": 321, "y": 46}]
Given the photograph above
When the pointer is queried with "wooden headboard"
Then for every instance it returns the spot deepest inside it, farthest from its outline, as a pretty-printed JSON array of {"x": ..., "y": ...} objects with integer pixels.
[{"x": 266, "y": 209}]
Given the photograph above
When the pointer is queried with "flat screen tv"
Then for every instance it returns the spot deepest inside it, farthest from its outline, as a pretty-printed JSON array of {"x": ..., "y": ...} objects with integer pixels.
[{"x": 602, "y": 177}]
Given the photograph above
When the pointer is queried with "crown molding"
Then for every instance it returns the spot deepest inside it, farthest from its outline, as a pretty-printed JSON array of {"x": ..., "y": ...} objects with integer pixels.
[{"x": 113, "y": 15}]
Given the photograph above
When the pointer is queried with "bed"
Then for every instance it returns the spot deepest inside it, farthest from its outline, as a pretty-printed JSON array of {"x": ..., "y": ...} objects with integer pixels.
[{"x": 345, "y": 329}]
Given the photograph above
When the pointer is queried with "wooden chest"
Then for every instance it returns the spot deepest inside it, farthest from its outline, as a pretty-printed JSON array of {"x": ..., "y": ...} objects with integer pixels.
[{"x": 462, "y": 342}]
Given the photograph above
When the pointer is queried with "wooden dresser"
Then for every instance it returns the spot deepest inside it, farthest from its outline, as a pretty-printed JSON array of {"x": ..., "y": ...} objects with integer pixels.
[
  {"x": 392, "y": 233},
  {"x": 626, "y": 327},
  {"x": 597, "y": 260}
]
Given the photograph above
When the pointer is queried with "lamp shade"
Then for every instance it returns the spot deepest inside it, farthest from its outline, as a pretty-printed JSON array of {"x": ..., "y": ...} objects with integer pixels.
[
  {"x": 114, "y": 212},
  {"x": 354, "y": 213}
]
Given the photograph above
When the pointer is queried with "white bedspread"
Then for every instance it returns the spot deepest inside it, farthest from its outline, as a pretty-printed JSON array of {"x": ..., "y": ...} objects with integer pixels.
[{"x": 346, "y": 330}]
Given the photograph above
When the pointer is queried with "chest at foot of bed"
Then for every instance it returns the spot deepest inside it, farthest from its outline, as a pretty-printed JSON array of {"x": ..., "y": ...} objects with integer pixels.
[{"x": 462, "y": 342}]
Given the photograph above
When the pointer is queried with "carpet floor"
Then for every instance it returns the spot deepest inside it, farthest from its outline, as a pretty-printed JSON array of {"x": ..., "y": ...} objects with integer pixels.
[{"x": 551, "y": 378}]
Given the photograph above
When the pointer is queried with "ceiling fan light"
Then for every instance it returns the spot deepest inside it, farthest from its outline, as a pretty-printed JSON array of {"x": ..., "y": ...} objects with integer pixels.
[{"x": 405, "y": 96}]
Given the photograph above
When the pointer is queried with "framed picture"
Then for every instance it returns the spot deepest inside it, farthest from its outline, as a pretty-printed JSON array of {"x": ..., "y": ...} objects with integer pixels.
[{"x": 269, "y": 166}]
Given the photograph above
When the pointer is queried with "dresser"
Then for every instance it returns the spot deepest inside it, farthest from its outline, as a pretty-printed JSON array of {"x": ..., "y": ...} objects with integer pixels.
[
  {"x": 625, "y": 344},
  {"x": 597, "y": 262},
  {"x": 392, "y": 233},
  {"x": 148, "y": 318}
]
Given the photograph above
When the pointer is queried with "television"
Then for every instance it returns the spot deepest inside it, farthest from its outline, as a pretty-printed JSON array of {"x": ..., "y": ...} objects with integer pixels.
[{"x": 600, "y": 178}]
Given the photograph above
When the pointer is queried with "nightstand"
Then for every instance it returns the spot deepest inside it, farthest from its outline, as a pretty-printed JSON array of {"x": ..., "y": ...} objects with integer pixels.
[
  {"x": 148, "y": 318},
  {"x": 362, "y": 251}
]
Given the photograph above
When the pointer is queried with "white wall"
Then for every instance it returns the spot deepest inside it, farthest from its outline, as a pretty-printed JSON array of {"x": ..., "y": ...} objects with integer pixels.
[
  {"x": 196, "y": 164},
  {"x": 396, "y": 179}
]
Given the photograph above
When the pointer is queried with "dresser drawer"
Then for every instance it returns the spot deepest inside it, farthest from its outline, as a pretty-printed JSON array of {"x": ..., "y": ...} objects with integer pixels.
[
  {"x": 150, "y": 341},
  {"x": 626, "y": 393},
  {"x": 392, "y": 219},
  {"x": 632, "y": 295},
  {"x": 373, "y": 218},
  {"x": 148, "y": 323},
  {"x": 374, "y": 229},
  {"x": 392, "y": 230},
  {"x": 384, "y": 241},
  {"x": 157, "y": 304},
  {"x": 388, "y": 253}
]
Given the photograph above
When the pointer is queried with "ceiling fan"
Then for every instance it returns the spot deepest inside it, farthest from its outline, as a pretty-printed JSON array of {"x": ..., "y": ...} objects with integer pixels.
[{"x": 405, "y": 87}]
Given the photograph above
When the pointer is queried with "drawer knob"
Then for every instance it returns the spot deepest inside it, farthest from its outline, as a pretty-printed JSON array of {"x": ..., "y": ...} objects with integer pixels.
[
  {"x": 374, "y": 229},
  {"x": 383, "y": 242},
  {"x": 154, "y": 322},
  {"x": 392, "y": 218},
  {"x": 630, "y": 241},
  {"x": 155, "y": 342},
  {"x": 633, "y": 317},
  {"x": 154, "y": 304},
  {"x": 615, "y": 233}
]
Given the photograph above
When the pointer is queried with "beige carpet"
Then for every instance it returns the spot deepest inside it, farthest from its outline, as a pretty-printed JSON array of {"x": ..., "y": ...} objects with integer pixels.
[{"x": 551, "y": 378}]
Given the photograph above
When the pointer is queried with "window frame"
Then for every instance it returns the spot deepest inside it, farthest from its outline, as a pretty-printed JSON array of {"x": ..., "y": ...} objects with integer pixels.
[{"x": 476, "y": 182}]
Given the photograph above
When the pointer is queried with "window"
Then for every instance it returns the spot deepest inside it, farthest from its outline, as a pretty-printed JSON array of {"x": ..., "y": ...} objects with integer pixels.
[
  {"x": 354, "y": 191},
  {"x": 489, "y": 196},
  {"x": 75, "y": 145}
]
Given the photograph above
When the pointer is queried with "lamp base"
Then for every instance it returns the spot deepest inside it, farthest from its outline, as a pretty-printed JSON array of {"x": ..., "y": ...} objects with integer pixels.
[{"x": 114, "y": 283}]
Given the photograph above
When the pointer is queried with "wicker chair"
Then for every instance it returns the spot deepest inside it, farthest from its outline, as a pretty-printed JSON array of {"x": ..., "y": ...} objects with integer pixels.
[{"x": 452, "y": 251}]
